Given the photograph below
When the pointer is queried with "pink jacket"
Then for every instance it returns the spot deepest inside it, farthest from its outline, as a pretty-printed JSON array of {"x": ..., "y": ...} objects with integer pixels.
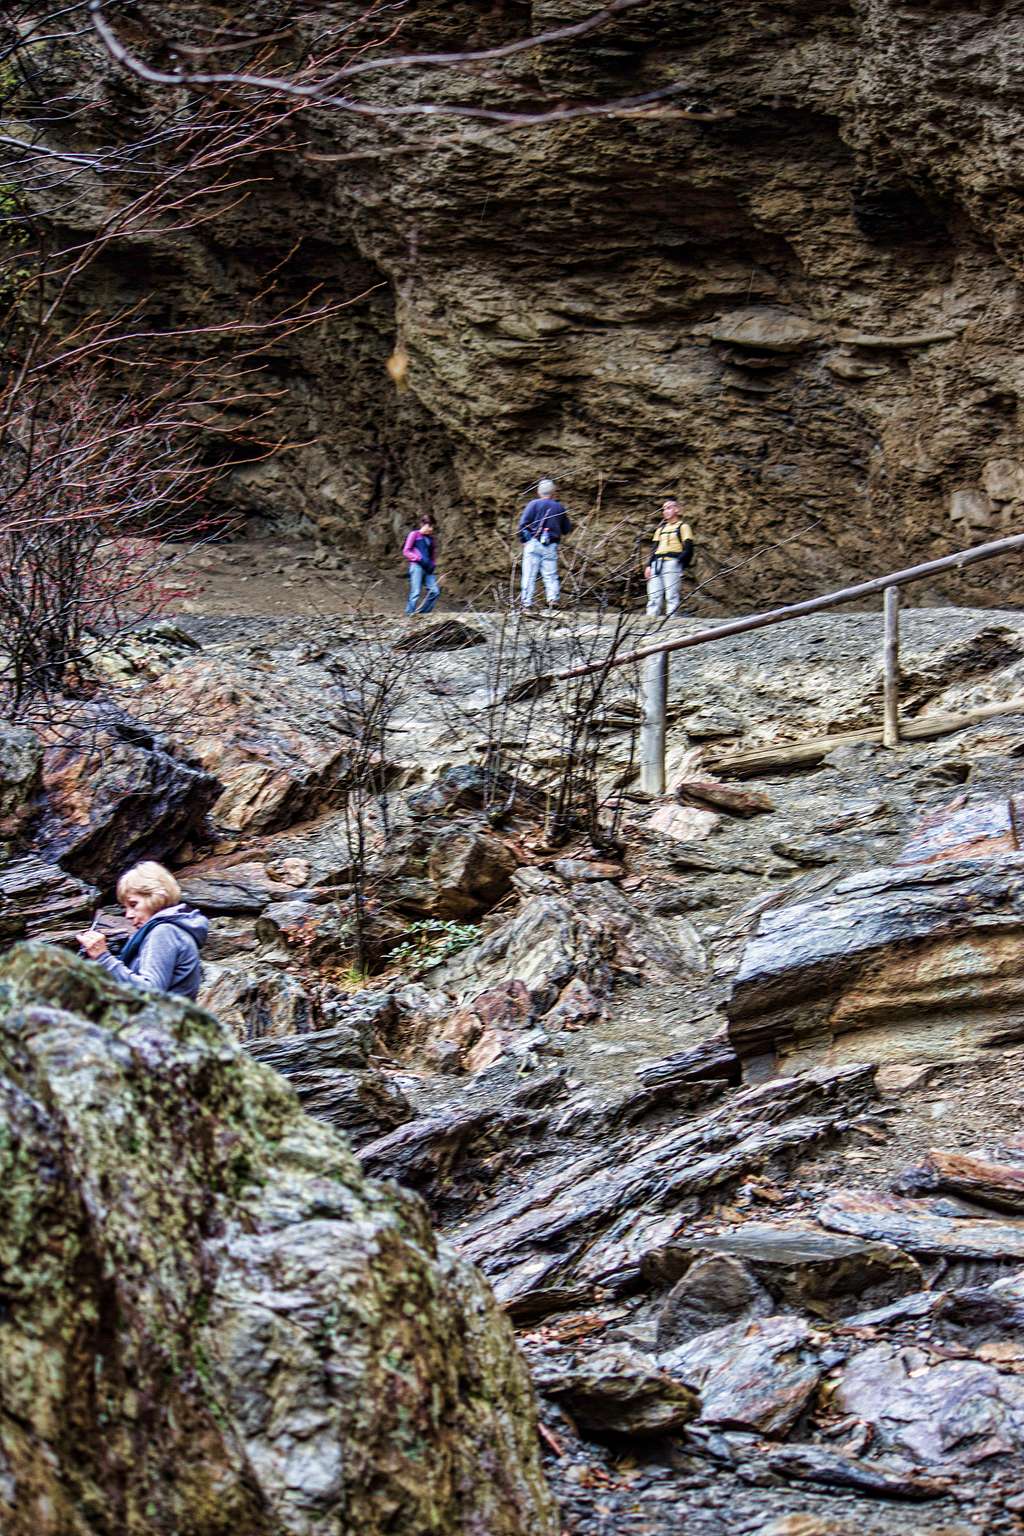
[{"x": 419, "y": 548}]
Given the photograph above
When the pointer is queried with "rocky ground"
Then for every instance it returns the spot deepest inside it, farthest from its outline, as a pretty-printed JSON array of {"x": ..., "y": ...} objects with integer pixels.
[{"x": 723, "y": 1095}]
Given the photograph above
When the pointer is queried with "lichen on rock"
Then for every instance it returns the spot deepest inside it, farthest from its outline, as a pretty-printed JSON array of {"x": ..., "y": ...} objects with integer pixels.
[{"x": 210, "y": 1321}]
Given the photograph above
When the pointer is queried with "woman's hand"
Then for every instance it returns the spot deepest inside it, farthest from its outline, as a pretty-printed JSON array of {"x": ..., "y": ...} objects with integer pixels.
[
  {"x": 93, "y": 943},
  {"x": 647, "y": 573}
]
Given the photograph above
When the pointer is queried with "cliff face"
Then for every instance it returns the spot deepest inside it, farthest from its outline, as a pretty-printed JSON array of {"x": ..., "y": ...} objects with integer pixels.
[{"x": 803, "y": 309}]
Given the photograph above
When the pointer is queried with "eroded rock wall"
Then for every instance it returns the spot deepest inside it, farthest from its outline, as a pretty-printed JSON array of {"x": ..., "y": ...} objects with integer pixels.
[{"x": 800, "y": 307}]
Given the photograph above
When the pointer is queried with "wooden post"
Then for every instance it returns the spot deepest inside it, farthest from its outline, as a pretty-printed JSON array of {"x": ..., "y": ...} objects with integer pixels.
[
  {"x": 652, "y": 731},
  {"x": 891, "y": 665}
]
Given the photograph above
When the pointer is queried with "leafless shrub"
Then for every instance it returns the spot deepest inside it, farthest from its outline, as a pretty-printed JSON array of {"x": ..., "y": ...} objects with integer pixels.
[{"x": 374, "y": 678}]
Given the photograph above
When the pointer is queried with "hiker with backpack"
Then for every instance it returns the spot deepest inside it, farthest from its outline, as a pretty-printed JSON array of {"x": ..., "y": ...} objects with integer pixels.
[
  {"x": 162, "y": 954},
  {"x": 418, "y": 550},
  {"x": 543, "y": 524},
  {"x": 671, "y": 552}
]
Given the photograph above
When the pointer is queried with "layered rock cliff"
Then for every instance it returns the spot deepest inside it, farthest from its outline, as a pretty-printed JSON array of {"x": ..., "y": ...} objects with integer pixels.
[{"x": 795, "y": 301}]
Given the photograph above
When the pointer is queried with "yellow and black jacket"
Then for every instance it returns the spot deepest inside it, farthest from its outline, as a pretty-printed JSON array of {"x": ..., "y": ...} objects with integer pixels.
[{"x": 671, "y": 541}]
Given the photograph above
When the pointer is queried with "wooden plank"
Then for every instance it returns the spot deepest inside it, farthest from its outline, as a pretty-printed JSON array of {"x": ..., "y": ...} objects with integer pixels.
[
  {"x": 652, "y": 730},
  {"x": 890, "y": 669},
  {"x": 802, "y": 754}
]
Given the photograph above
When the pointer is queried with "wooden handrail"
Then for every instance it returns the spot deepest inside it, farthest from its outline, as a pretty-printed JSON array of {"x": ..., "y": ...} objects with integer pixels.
[{"x": 811, "y": 605}]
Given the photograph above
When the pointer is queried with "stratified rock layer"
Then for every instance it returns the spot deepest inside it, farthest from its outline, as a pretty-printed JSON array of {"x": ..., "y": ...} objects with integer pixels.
[
  {"x": 796, "y": 303},
  {"x": 211, "y": 1321}
]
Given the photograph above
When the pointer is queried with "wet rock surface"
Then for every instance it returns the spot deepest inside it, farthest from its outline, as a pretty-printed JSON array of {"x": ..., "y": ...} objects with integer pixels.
[
  {"x": 287, "y": 1341},
  {"x": 114, "y": 791},
  {"x": 704, "y": 1217}
]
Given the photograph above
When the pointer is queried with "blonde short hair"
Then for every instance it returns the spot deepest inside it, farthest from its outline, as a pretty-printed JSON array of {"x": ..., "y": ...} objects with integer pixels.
[{"x": 151, "y": 880}]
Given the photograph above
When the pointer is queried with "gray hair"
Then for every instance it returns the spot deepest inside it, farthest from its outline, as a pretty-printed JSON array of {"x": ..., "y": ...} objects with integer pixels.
[{"x": 545, "y": 487}]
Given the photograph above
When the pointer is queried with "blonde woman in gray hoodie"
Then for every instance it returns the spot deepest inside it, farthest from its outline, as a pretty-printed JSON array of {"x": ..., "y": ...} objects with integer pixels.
[{"x": 162, "y": 954}]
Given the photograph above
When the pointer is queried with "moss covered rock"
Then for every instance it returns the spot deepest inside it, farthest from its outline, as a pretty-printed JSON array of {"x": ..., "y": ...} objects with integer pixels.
[{"x": 210, "y": 1321}]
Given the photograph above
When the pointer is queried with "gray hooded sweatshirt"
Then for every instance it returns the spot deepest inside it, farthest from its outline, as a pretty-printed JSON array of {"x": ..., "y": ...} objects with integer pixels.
[{"x": 163, "y": 956}]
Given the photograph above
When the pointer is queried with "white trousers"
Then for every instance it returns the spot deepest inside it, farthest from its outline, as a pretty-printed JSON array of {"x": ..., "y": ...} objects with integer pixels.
[
  {"x": 665, "y": 586},
  {"x": 540, "y": 559}
]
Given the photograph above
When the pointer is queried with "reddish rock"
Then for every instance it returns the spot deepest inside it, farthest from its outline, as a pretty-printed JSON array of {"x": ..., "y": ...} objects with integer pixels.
[
  {"x": 1000, "y": 1185},
  {"x": 508, "y": 1004},
  {"x": 724, "y": 797},
  {"x": 965, "y": 829},
  {"x": 276, "y": 736},
  {"x": 587, "y": 869},
  {"x": 490, "y": 1045},
  {"x": 576, "y": 1006}
]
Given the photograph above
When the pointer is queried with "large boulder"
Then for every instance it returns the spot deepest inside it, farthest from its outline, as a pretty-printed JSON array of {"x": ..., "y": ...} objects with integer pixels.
[
  {"x": 277, "y": 735},
  {"x": 116, "y": 792},
  {"x": 447, "y": 871},
  {"x": 212, "y": 1321}
]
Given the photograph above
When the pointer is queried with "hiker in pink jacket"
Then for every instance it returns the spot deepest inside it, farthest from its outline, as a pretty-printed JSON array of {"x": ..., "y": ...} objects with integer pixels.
[{"x": 418, "y": 549}]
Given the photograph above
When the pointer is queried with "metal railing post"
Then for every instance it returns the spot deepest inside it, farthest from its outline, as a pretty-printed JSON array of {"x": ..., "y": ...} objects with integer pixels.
[
  {"x": 891, "y": 668},
  {"x": 652, "y": 729}
]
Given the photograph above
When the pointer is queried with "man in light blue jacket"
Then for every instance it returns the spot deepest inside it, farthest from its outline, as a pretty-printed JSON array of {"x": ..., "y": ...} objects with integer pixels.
[{"x": 543, "y": 524}]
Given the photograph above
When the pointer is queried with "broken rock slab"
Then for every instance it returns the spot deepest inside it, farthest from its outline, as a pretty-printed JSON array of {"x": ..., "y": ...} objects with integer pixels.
[
  {"x": 758, "y": 1375},
  {"x": 939, "y": 1412},
  {"x": 232, "y": 885},
  {"x": 589, "y": 1220},
  {"x": 115, "y": 792},
  {"x": 889, "y": 1219},
  {"x": 457, "y": 871},
  {"x": 966, "y": 828},
  {"x": 799, "y": 1265},
  {"x": 923, "y": 963},
  {"x": 615, "y": 1388},
  {"x": 40, "y": 900},
  {"x": 357, "y": 1026}
]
